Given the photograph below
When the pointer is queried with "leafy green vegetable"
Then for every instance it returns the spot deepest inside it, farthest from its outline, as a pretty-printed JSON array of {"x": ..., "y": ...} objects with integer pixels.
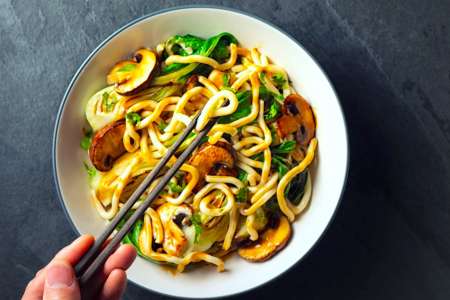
[
  {"x": 221, "y": 51},
  {"x": 242, "y": 176},
  {"x": 215, "y": 47},
  {"x": 244, "y": 108},
  {"x": 242, "y": 194},
  {"x": 127, "y": 68},
  {"x": 296, "y": 188},
  {"x": 267, "y": 95},
  {"x": 226, "y": 79},
  {"x": 133, "y": 118},
  {"x": 162, "y": 125},
  {"x": 284, "y": 148},
  {"x": 210, "y": 45},
  {"x": 273, "y": 132},
  {"x": 172, "y": 68},
  {"x": 262, "y": 76},
  {"x": 272, "y": 205},
  {"x": 204, "y": 140},
  {"x": 196, "y": 221},
  {"x": 91, "y": 171},
  {"x": 175, "y": 188},
  {"x": 273, "y": 112},
  {"x": 86, "y": 140},
  {"x": 281, "y": 166},
  {"x": 184, "y": 44},
  {"x": 259, "y": 156},
  {"x": 279, "y": 80}
]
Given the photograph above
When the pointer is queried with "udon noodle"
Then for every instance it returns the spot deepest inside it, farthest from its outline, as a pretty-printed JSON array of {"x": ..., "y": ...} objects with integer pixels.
[{"x": 242, "y": 188}]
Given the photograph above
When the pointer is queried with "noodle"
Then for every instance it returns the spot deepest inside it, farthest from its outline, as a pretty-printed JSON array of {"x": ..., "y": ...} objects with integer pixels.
[{"x": 227, "y": 194}]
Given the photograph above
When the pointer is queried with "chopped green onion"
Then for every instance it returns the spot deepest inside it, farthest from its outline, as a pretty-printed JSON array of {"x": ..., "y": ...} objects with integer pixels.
[{"x": 133, "y": 118}]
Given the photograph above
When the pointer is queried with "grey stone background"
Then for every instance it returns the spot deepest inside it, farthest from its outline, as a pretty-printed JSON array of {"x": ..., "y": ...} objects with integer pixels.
[{"x": 390, "y": 64}]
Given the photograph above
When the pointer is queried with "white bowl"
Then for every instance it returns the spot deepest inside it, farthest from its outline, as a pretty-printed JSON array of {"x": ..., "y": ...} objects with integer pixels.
[{"x": 308, "y": 79}]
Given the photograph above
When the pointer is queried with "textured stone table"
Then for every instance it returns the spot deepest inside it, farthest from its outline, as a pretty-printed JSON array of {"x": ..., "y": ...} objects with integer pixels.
[{"x": 390, "y": 64}]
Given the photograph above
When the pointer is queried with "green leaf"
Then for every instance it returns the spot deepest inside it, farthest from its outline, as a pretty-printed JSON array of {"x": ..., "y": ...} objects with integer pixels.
[
  {"x": 267, "y": 95},
  {"x": 280, "y": 165},
  {"x": 86, "y": 140},
  {"x": 273, "y": 112},
  {"x": 226, "y": 79},
  {"x": 242, "y": 194},
  {"x": 243, "y": 109},
  {"x": 215, "y": 46},
  {"x": 133, "y": 118},
  {"x": 262, "y": 76},
  {"x": 242, "y": 176},
  {"x": 175, "y": 188},
  {"x": 213, "y": 42},
  {"x": 296, "y": 188},
  {"x": 273, "y": 132},
  {"x": 196, "y": 221},
  {"x": 162, "y": 125},
  {"x": 279, "y": 80},
  {"x": 134, "y": 233},
  {"x": 259, "y": 156},
  {"x": 204, "y": 140},
  {"x": 127, "y": 68},
  {"x": 284, "y": 148},
  {"x": 91, "y": 171},
  {"x": 272, "y": 205},
  {"x": 185, "y": 44},
  {"x": 172, "y": 68}
]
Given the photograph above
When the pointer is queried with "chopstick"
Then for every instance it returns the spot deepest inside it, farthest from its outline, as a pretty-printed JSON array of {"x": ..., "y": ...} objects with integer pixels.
[{"x": 99, "y": 252}]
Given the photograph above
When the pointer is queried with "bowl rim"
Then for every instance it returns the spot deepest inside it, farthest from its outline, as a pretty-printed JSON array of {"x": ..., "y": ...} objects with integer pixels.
[{"x": 187, "y": 7}]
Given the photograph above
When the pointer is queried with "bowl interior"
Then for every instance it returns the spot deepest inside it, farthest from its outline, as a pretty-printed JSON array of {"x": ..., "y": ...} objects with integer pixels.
[{"x": 307, "y": 78}]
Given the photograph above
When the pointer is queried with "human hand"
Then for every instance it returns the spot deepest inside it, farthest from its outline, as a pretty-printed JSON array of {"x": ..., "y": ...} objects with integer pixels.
[{"x": 57, "y": 280}]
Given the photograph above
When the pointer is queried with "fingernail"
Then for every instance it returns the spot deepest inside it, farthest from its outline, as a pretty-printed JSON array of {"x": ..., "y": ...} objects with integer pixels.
[{"x": 59, "y": 275}]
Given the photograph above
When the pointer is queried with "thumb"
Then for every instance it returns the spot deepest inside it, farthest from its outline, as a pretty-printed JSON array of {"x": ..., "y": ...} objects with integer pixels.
[{"x": 60, "y": 282}]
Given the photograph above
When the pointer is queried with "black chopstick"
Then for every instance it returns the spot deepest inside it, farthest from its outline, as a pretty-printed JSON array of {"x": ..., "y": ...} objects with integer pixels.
[{"x": 96, "y": 256}]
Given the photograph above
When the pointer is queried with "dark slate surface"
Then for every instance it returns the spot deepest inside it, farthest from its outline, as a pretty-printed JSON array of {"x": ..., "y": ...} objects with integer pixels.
[{"x": 390, "y": 64}]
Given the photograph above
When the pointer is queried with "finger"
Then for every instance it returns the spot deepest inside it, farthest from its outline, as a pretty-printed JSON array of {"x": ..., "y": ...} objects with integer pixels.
[
  {"x": 73, "y": 252},
  {"x": 114, "y": 285},
  {"x": 34, "y": 289},
  {"x": 121, "y": 259},
  {"x": 60, "y": 282}
]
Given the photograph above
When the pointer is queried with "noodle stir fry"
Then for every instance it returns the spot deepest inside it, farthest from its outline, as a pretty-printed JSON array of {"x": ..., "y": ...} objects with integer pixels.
[{"x": 242, "y": 188}]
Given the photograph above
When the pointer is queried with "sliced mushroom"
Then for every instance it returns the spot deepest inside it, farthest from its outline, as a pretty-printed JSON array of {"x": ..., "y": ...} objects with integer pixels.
[
  {"x": 132, "y": 76},
  {"x": 131, "y": 186},
  {"x": 107, "y": 146},
  {"x": 297, "y": 118},
  {"x": 269, "y": 243},
  {"x": 217, "y": 159},
  {"x": 173, "y": 218},
  {"x": 191, "y": 83}
]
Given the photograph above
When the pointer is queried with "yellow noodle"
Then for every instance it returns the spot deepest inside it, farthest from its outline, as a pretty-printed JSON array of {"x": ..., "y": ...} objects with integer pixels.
[
  {"x": 205, "y": 60},
  {"x": 282, "y": 201}
]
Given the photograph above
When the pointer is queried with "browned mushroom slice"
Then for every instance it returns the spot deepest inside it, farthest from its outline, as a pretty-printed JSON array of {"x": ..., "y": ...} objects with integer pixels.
[
  {"x": 131, "y": 186},
  {"x": 269, "y": 243},
  {"x": 191, "y": 83},
  {"x": 132, "y": 76},
  {"x": 217, "y": 159},
  {"x": 297, "y": 118},
  {"x": 107, "y": 146}
]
